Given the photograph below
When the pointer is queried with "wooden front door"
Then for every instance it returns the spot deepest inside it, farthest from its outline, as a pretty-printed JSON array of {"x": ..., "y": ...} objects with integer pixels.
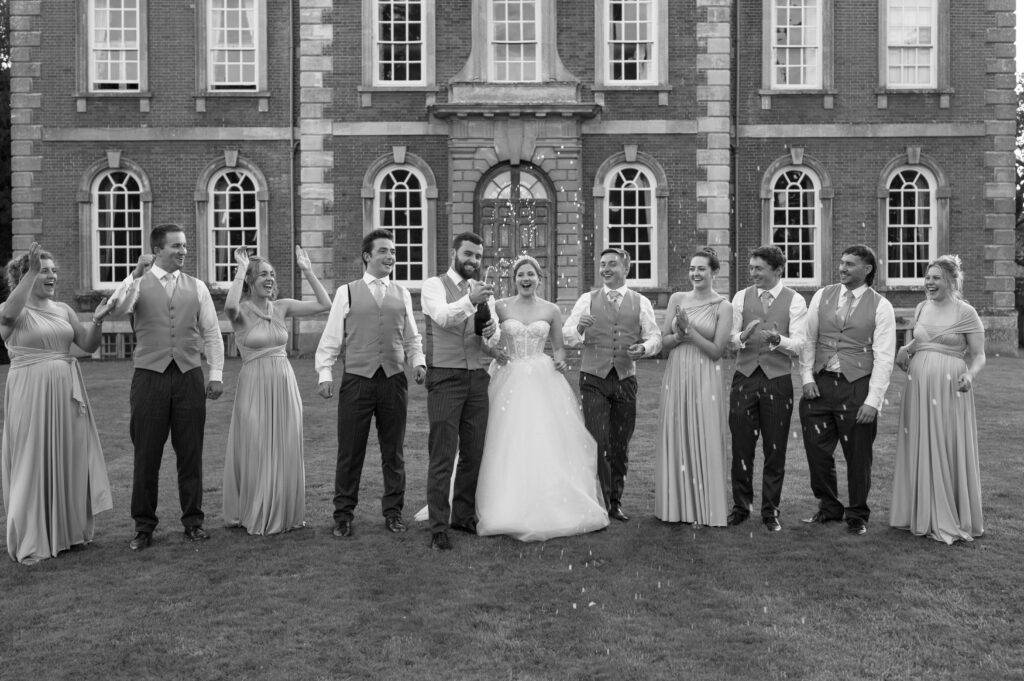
[{"x": 516, "y": 216}]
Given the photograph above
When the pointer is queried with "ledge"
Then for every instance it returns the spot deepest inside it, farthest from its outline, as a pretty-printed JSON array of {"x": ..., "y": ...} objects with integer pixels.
[{"x": 515, "y": 110}]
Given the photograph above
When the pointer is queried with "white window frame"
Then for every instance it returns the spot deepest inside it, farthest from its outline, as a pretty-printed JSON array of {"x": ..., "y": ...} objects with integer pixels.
[
  {"x": 652, "y": 225},
  {"x": 931, "y": 46},
  {"x": 206, "y": 64},
  {"x": 139, "y": 46},
  {"x": 940, "y": 56},
  {"x": 258, "y": 49},
  {"x": 422, "y": 226},
  {"x": 818, "y": 62},
  {"x": 816, "y": 226},
  {"x": 212, "y": 229},
  {"x": 656, "y": 27},
  {"x": 424, "y": 40},
  {"x": 537, "y": 42},
  {"x": 933, "y": 225},
  {"x": 128, "y": 264}
]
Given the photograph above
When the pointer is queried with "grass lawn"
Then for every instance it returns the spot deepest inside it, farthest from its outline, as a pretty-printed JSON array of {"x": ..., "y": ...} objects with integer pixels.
[{"x": 640, "y": 600}]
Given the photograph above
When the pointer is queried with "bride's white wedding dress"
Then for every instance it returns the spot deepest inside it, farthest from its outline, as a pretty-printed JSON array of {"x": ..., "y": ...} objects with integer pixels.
[{"x": 538, "y": 477}]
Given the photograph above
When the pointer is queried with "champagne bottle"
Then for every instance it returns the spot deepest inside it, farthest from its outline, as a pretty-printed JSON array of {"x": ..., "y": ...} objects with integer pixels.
[{"x": 483, "y": 310}]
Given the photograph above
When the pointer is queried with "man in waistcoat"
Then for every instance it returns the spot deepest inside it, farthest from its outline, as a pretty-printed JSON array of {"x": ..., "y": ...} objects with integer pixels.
[
  {"x": 845, "y": 368},
  {"x": 371, "y": 323},
  {"x": 616, "y": 326},
  {"x": 457, "y": 383},
  {"x": 175, "y": 321},
  {"x": 767, "y": 332}
]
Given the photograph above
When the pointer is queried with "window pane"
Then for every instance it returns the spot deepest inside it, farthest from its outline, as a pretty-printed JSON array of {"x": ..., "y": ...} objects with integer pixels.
[
  {"x": 514, "y": 41},
  {"x": 233, "y": 44},
  {"x": 630, "y": 219},
  {"x": 234, "y": 220},
  {"x": 117, "y": 224},
  {"x": 795, "y": 227},
  {"x": 114, "y": 45},
  {"x": 400, "y": 205},
  {"x": 796, "y": 47},
  {"x": 910, "y": 231},
  {"x": 631, "y": 45}
]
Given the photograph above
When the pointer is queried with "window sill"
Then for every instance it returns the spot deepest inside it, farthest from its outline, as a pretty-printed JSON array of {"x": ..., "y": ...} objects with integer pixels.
[
  {"x": 663, "y": 90},
  {"x": 366, "y": 92},
  {"x": 141, "y": 96},
  {"x": 882, "y": 95},
  {"x": 828, "y": 97},
  {"x": 262, "y": 98}
]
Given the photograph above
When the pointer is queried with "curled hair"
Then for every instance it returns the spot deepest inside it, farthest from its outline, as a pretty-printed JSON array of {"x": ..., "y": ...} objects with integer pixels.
[
  {"x": 250, "y": 276},
  {"x": 712, "y": 257},
  {"x": 952, "y": 271},
  {"x": 17, "y": 268},
  {"x": 867, "y": 255},
  {"x": 526, "y": 260},
  {"x": 772, "y": 255}
]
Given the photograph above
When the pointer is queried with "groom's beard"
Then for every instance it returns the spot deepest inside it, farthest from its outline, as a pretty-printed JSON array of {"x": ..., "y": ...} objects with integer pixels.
[{"x": 467, "y": 270}]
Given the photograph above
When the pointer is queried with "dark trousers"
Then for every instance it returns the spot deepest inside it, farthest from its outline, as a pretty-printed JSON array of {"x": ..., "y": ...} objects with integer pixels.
[
  {"x": 759, "y": 405},
  {"x": 831, "y": 419},
  {"x": 175, "y": 403},
  {"x": 360, "y": 400},
  {"x": 609, "y": 411},
  {"x": 457, "y": 408}
]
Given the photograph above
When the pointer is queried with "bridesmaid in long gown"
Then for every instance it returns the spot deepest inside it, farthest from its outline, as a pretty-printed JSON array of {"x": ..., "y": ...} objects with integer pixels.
[
  {"x": 54, "y": 477},
  {"x": 689, "y": 481},
  {"x": 936, "y": 485},
  {"x": 264, "y": 475}
]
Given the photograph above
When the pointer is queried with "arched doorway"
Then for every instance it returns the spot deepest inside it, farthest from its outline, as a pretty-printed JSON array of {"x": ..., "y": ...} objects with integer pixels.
[{"x": 516, "y": 216}]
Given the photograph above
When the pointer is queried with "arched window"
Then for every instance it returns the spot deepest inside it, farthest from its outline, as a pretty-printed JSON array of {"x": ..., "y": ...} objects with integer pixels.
[
  {"x": 233, "y": 221},
  {"x": 400, "y": 205},
  {"x": 631, "y": 219},
  {"x": 117, "y": 220},
  {"x": 796, "y": 224},
  {"x": 911, "y": 225}
]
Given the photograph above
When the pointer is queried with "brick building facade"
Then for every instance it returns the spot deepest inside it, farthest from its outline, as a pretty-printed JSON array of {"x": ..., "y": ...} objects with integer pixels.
[{"x": 550, "y": 128}]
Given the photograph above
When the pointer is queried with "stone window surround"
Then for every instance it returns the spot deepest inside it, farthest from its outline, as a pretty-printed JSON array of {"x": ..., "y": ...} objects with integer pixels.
[
  {"x": 631, "y": 156},
  {"x": 826, "y": 192},
  {"x": 941, "y": 192},
  {"x": 230, "y": 160},
  {"x": 401, "y": 158},
  {"x": 370, "y": 84},
  {"x": 203, "y": 92},
  {"x": 83, "y": 93},
  {"x": 827, "y": 90},
  {"x": 942, "y": 46},
  {"x": 602, "y": 83}
]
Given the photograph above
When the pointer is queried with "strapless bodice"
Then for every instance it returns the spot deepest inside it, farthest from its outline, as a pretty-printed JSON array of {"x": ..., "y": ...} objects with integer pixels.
[{"x": 525, "y": 340}]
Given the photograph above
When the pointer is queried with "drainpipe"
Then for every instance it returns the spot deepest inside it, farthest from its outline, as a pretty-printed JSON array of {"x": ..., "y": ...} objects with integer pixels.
[
  {"x": 293, "y": 146},
  {"x": 734, "y": 279}
]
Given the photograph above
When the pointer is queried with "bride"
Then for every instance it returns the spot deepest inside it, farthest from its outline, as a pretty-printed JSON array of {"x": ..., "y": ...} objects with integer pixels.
[{"x": 538, "y": 477}]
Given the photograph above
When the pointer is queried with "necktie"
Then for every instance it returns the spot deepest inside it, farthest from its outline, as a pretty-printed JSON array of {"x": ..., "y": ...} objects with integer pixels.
[
  {"x": 378, "y": 291},
  {"x": 766, "y": 301},
  {"x": 614, "y": 297},
  {"x": 846, "y": 307},
  {"x": 169, "y": 284},
  {"x": 463, "y": 286}
]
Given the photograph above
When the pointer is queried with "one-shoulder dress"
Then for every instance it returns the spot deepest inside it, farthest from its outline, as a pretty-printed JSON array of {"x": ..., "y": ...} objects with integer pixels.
[{"x": 54, "y": 476}]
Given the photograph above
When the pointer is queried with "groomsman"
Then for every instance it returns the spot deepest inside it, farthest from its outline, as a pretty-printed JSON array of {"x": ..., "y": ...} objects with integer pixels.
[
  {"x": 768, "y": 331},
  {"x": 615, "y": 326},
  {"x": 371, "y": 323},
  {"x": 845, "y": 368},
  {"x": 173, "y": 318},
  {"x": 457, "y": 383}
]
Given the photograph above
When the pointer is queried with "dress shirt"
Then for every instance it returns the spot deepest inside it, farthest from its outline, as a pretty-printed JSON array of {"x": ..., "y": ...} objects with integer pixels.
[
  {"x": 127, "y": 294},
  {"x": 334, "y": 333},
  {"x": 434, "y": 303},
  {"x": 883, "y": 345},
  {"x": 789, "y": 345},
  {"x": 649, "y": 329}
]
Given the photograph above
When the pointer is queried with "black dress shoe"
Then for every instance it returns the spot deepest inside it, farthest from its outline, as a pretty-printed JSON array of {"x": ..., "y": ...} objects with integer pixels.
[
  {"x": 196, "y": 534},
  {"x": 821, "y": 518},
  {"x": 771, "y": 523},
  {"x": 395, "y": 524},
  {"x": 469, "y": 527},
  {"x": 616, "y": 512},
  {"x": 856, "y": 526},
  {"x": 439, "y": 542},
  {"x": 140, "y": 541},
  {"x": 735, "y": 518},
  {"x": 342, "y": 528}
]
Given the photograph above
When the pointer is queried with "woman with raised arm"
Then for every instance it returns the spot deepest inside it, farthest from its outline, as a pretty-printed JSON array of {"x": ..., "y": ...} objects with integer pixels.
[
  {"x": 264, "y": 474},
  {"x": 936, "y": 489},
  {"x": 538, "y": 477},
  {"x": 54, "y": 476},
  {"x": 689, "y": 478}
]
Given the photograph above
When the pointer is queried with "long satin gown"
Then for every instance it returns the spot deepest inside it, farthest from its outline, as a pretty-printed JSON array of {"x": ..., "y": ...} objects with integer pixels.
[
  {"x": 54, "y": 476},
  {"x": 538, "y": 477},
  {"x": 689, "y": 478},
  {"x": 264, "y": 474},
  {"x": 936, "y": 489}
]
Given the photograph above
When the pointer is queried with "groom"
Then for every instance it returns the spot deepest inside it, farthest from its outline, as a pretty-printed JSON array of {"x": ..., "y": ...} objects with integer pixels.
[
  {"x": 457, "y": 383},
  {"x": 615, "y": 326}
]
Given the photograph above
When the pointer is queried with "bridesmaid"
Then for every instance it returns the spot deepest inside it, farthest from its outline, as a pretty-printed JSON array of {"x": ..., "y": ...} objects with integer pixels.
[
  {"x": 689, "y": 482},
  {"x": 264, "y": 478},
  {"x": 937, "y": 486},
  {"x": 54, "y": 477}
]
